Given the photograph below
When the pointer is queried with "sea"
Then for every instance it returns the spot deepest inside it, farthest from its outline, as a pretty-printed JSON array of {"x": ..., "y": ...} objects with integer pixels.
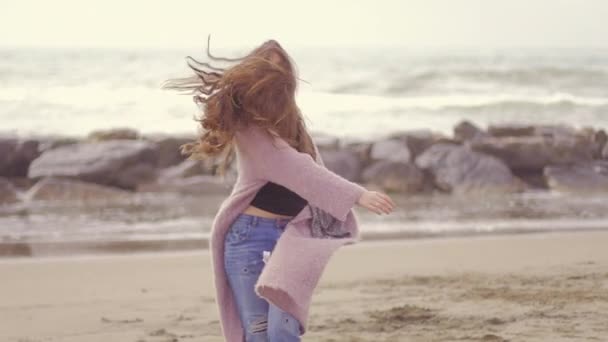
[{"x": 358, "y": 92}]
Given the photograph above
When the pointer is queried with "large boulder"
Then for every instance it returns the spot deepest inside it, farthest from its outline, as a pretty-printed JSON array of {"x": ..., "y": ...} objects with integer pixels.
[
  {"x": 511, "y": 130},
  {"x": 418, "y": 140},
  {"x": 361, "y": 148},
  {"x": 458, "y": 169},
  {"x": 578, "y": 178},
  {"x": 121, "y": 163},
  {"x": 187, "y": 168},
  {"x": 169, "y": 148},
  {"x": 16, "y": 154},
  {"x": 59, "y": 189},
  {"x": 113, "y": 134},
  {"x": 325, "y": 141},
  {"x": 394, "y": 176},
  {"x": 535, "y": 152},
  {"x": 390, "y": 149},
  {"x": 8, "y": 193},
  {"x": 196, "y": 185},
  {"x": 343, "y": 162},
  {"x": 466, "y": 130},
  {"x": 597, "y": 140}
]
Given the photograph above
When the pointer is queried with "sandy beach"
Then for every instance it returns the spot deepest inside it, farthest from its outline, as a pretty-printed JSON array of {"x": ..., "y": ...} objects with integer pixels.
[{"x": 536, "y": 287}]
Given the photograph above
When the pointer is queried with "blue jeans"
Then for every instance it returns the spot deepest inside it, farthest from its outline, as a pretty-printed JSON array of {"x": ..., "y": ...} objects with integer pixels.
[{"x": 246, "y": 240}]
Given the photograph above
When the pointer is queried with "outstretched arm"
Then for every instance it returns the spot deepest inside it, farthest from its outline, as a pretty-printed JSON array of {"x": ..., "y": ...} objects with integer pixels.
[{"x": 282, "y": 164}]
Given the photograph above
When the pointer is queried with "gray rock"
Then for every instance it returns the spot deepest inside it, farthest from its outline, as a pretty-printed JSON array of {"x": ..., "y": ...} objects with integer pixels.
[
  {"x": 466, "y": 130},
  {"x": 390, "y": 149},
  {"x": 554, "y": 130},
  {"x": 16, "y": 154},
  {"x": 362, "y": 149},
  {"x": 59, "y": 189},
  {"x": 535, "y": 152},
  {"x": 113, "y": 134},
  {"x": 394, "y": 176},
  {"x": 8, "y": 193},
  {"x": 460, "y": 170},
  {"x": 578, "y": 178},
  {"x": 169, "y": 148},
  {"x": 511, "y": 130},
  {"x": 596, "y": 139},
  {"x": 185, "y": 169},
  {"x": 325, "y": 141},
  {"x": 203, "y": 184},
  {"x": 51, "y": 142},
  {"x": 418, "y": 140},
  {"x": 343, "y": 162},
  {"x": 121, "y": 163}
]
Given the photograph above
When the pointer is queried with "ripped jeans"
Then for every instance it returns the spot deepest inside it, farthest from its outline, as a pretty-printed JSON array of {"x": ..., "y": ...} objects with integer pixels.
[{"x": 246, "y": 240}]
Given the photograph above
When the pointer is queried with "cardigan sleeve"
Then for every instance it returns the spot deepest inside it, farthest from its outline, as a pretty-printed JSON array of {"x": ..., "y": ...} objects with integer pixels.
[{"x": 277, "y": 161}]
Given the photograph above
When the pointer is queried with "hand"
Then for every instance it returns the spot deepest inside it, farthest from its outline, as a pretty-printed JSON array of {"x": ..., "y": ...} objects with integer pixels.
[{"x": 377, "y": 202}]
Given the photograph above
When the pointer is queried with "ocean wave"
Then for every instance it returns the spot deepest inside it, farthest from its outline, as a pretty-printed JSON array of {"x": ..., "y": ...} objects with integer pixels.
[{"x": 439, "y": 80}]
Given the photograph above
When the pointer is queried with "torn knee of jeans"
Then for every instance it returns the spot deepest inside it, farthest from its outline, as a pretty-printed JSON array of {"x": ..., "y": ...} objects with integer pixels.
[{"x": 258, "y": 325}]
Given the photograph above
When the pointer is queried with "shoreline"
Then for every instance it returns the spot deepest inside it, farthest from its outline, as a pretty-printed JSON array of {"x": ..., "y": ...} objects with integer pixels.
[
  {"x": 523, "y": 287},
  {"x": 107, "y": 248}
]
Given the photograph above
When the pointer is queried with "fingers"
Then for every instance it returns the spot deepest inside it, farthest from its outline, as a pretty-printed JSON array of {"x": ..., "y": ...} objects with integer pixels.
[
  {"x": 376, "y": 208},
  {"x": 389, "y": 199},
  {"x": 387, "y": 203},
  {"x": 381, "y": 206},
  {"x": 378, "y": 202}
]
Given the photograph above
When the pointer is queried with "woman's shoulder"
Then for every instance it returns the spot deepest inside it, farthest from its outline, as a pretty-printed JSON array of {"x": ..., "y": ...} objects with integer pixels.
[{"x": 253, "y": 136}]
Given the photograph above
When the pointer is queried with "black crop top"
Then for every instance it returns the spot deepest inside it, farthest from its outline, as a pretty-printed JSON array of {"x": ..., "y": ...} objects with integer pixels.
[{"x": 278, "y": 199}]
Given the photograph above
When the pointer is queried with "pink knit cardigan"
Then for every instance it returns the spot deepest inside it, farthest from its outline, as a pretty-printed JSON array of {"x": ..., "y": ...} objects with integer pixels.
[{"x": 294, "y": 267}]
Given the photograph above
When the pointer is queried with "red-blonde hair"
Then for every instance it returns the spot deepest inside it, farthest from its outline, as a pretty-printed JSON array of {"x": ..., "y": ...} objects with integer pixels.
[{"x": 259, "y": 89}]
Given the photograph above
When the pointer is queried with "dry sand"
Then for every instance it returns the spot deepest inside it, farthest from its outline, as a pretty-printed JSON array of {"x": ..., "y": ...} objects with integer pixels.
[{"x": 541, "y": 287}]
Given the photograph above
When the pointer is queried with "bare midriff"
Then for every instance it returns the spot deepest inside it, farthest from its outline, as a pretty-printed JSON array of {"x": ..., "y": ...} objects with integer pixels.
[{"x": 261, "y": 212}]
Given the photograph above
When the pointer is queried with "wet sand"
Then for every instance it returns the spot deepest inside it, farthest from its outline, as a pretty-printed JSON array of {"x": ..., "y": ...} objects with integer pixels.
[{"x": 535, "y": 287}]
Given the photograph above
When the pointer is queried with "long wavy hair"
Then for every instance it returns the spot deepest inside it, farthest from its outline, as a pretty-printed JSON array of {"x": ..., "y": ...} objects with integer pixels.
[{"x": 258, "y": 88}]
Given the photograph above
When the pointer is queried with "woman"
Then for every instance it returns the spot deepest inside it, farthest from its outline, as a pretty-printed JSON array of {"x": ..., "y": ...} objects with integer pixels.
[{"x": 266, "y": 263}]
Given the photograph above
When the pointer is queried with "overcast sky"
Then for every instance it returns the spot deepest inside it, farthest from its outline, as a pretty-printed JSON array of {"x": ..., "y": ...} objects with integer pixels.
[{"x": 470, "y": 23}]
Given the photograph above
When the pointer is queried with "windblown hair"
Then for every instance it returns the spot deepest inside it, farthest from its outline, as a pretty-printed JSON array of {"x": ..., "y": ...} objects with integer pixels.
[{"x": 257, "y": 89}]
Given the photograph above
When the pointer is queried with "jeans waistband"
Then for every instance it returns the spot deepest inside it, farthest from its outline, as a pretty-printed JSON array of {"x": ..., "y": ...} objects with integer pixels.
[{"x": 279, "y": 222}]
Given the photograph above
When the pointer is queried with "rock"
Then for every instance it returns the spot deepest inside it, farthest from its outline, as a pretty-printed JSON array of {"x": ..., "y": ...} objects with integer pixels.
[
  {"x": 169, "y": 148},
  {"x": 390, "y": 149},
  {"x": 113, "y": 134},
  {"x": 578, "y": 178},
  {"x": 535, "y": 152},
  {"x": 16, "y": 154},
  {"x": 418, "y": 140},
  {"x": 597, "y": 140},
  {"x": 554, "y": 130},
  {"x": 121, "y": 163},
  {"x": 460, "y": 170},
  {"x": 465, "y": 131},
  {"x": 58, "y": 189},
  {"x": 51, "y": 142},
  {"x": 361, "y": 148},
  {"x": 185, "y": 169},
  {"x": 511, "y": 130},
  {"x": 342, "y": 162},
  {"x": 601, "y": 140},
  {"x": 394, "y": 176},
  {"x": 8, "y": 193},
  {"x": 534, "y": 179},
  {"x": 325, "y": 141},
  {"x": 203, "y": 184},
  {"x": 22, "y": 183}
]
